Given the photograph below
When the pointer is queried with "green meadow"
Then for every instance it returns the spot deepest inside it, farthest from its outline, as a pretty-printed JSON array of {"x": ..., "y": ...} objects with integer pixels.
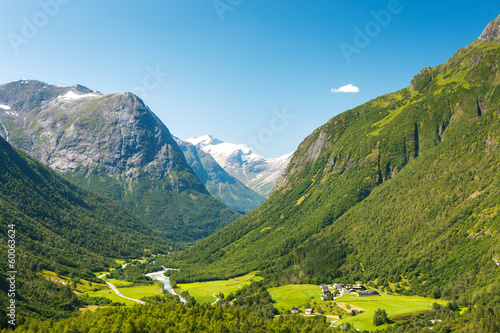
[
  {"x": 393, "y": 305},
  {"x": 110, "y": 294},
  {"x": 203, "y": 291},
  {"x": 81, "y": 287},
  {"x": 294, "y": 295},
  {"x": 118, "y": 283},
  {"x": 139, "y": 292}
]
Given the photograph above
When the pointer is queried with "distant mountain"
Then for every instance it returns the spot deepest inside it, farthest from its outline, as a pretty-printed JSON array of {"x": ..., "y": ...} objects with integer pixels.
[
  {"x": 61, "y": 227},
  {"x": 241, "y": 162},
  {"x": 218, "y": 182},
  {"x": 115, "y": 145},
  {"x": 403, "y": 190}
]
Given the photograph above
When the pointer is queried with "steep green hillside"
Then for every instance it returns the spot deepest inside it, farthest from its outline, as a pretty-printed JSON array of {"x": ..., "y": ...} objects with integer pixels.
[
  {"x": 60, "y": 227},
  {"x": 218, "y": 182},
  {"x": 184, "y": 215},
  {"x": 404, "y": 186}
]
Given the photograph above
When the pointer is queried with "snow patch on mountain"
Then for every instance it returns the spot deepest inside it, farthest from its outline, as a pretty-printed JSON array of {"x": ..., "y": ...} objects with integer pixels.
[
  {"x": 72, "y": 95},
  {"x": 241, "y": 162},
  {"x": 5, "y": 107}
]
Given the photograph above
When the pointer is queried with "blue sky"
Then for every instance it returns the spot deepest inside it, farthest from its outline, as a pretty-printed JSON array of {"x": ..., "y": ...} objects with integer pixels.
[{"x": 259, "y": 72}]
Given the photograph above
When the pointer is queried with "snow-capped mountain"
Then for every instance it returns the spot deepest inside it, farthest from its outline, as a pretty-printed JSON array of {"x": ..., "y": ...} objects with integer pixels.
[
  {"x": 241, "y": 162},
  {"x": 218, "y": 181}
]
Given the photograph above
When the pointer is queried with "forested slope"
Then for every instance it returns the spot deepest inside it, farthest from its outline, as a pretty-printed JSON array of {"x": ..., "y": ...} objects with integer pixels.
[
  {"x": 63, "y": 228},
  {"x": 402, "y": 187}
]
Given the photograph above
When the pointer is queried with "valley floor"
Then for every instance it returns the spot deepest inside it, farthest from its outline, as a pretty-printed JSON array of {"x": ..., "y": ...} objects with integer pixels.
[
  {"x": 285, "y": 298},
  {"x": 207, "y": 292},
  {"x": 393, "y": 305}
]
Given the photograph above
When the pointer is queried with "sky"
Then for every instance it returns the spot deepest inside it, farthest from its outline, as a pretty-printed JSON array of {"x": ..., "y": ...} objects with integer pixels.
[{"x": 260, "y": 72}]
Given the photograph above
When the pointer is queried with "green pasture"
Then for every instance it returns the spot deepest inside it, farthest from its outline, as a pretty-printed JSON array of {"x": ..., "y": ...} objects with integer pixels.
[
  {"x": 294, "y": 295},
  {"x": 393, "y": 305},
  {"x": 203, "y": 291}
]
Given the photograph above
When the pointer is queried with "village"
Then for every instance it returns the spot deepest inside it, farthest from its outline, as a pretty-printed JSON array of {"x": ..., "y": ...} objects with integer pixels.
[{"x": 337, "y": 290}]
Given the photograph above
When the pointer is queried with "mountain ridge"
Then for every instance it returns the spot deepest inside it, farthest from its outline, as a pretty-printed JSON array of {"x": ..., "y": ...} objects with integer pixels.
[
  {"x": 218, "y": 182},
  {"x": 492, "y": 31},
  {"x": 402, "y": 187},
  {"x": 115, "y": 145},
  {"x": 255, "y": 171},
  {"x": 60, "y": 227}
]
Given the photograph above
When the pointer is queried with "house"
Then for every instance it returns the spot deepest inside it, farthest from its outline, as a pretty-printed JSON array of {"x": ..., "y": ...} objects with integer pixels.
[
  {"x": 308, "y": 311},
  {"x": 357, "y": 288},
  {"x": 324, "y": 298},
  {"x": 344, "y": 291},
  {"x": 368, "y": 293},
  {"x": 295, "y": 310},
  {"x": 337, "y": 286},
  {"x": 327, "y": 292},
  {"x": 324, "y": 287}
]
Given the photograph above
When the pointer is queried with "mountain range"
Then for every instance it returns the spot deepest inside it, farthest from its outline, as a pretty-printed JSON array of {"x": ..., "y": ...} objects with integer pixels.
[
  {"x": 114, "y": 145},
  {"x": 404, "y": 188},
  {"x": 401, "y": 193},
  {"x": 218, "y": 182},
  {"x": 61, "y": 227},
  {"x": 241, "y": 162}
]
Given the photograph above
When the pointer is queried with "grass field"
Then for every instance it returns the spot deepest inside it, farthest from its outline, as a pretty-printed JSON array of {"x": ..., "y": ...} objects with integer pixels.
[
  {"x": 139, "y": 292},
  {"x": 393, "y": 305},
  {"x": 203, "y": 291},
  {"x": 110, "y": 294},
  {"x": 118, "y": 283},
  {"x": 81, "y": 287},
  {"x": 294, "y": 295},
  {"x": 136, "y": 292},
  {"x": 120, "y": 261},
  {"x": 88, "y": 308}
]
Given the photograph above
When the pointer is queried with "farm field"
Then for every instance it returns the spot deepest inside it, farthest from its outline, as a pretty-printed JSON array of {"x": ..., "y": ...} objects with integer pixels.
[
  {"x": 81, "y": 287},
  {"x": 139, "y": 292},
  {"x": 118, "y": 283},
  {"x": 294, "y": 295},
  {"x": 110, "y": 294},
  {"x": 203, "y": 291},
  {"x": 393, "y": 305}
]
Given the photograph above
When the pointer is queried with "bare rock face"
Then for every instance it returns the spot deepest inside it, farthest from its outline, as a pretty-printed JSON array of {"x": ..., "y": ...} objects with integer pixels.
[
  {"x": 238, "y": 160},
  {"x": 218, "y": 182},
  {"x": 312, "y": 147},
  {"x": 115, "y": 145},
  {"x": 74, "y": 128},
  {"x": 492, "y": 31}
]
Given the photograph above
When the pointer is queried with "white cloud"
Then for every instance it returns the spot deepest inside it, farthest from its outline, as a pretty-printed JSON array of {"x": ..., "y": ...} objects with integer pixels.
[{"x": 346, "y": 89}]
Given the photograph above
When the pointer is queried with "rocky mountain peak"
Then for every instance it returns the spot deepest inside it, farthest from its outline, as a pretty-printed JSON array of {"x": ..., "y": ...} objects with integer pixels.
[
  {"x": 492, "y": 31},
  {"x": 117, "y": 132},
  {"x": 83, "y": 89},
  {"x": 204, "y": 140},
  {"x": 115, "y": 145},
  {"x": 242, "y": 163}
]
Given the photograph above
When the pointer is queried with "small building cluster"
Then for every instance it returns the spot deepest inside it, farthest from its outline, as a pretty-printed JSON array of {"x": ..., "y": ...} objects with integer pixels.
[
  {"x": 326, "y": 292},
  {"x": 357, "y": 289},
  {"x": 368, "y": 293}
]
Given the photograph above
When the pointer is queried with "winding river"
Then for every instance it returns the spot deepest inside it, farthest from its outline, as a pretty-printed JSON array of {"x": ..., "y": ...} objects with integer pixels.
[{"x": 160, "y": 276}]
